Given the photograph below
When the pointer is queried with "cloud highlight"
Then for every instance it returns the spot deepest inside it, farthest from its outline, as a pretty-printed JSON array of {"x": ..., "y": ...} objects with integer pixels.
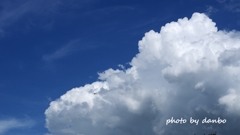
[{"x": 188, "y": 69}]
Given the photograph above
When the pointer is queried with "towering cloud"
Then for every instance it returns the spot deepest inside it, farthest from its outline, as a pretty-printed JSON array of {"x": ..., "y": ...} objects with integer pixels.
[{"x": 188, "y": 69}]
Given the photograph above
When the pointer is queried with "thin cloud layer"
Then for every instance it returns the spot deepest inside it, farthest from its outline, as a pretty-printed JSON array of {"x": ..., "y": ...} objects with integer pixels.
[
  {"x": 6, "y": 125},
  {"x": 188, "y": 69},
  {"x": 62, "y": 52}
]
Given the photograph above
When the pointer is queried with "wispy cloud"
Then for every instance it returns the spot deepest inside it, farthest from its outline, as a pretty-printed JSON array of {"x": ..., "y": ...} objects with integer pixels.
[
  {"x": 210, "y": 10},
  {"x": 61, "y": 52},
  {"x": 9, "y": 124},
  {"x": 231, "y": 5},
  {"x": 12, "y": 12},
  {"x": 69, "y": 48}
]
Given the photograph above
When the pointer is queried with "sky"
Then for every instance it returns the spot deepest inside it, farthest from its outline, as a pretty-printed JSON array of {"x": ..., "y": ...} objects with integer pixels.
[{"x": 87, "y": 67}]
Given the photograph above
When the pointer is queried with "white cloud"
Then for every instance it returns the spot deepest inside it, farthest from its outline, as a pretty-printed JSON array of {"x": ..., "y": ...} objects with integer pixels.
[
  {"x": 231, "y": 100},
  {"x": 162, "y": 82},
  {"x": 200, "y": 85},
  {"x": 9, "y": 124}
]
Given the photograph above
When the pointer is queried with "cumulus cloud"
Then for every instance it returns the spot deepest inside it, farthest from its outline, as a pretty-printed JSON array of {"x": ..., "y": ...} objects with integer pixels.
[
  {"x": 188, "y": 69},
  {"x": 9, "y": 124}
]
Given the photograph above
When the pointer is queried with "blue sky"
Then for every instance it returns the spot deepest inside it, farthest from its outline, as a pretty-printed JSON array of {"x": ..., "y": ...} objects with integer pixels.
[{"x": 48, "y": 47}]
